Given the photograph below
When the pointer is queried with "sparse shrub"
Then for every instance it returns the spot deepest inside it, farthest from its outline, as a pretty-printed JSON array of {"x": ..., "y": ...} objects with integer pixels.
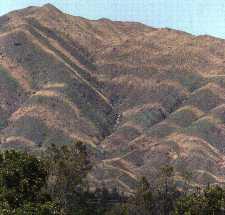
[{"x": 11, "y": 82}]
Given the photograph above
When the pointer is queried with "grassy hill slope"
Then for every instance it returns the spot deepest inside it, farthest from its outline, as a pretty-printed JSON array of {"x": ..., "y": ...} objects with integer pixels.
[{"x": 141, "y": 97}]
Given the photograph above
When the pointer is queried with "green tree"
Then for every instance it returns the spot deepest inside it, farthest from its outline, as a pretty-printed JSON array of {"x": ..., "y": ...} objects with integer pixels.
[
  {"x": 167, "y": 192},
  {"x": 210, "y": 201},
  {"x": 144, "y": 197},
  {"x": 187, "y": 181},
  {"x": 68, "y": 167},
  {"x": 67, "y": 170},
  {"x": 142, "y": 203},
  {"x": 22, "y": 179}
]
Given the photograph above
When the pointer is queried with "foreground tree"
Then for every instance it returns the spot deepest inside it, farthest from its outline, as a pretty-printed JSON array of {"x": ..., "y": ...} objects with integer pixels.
[
  {"x": 28, "y": 186},
  {"x": 68, "y": 167},
  {"x": 210, "y": 201},
  {"x": 22, "y": 179},
  {"x": 67, "y": 170},
  {"x": 167, "y": 193},
  {"x": 152, "y": 200}
]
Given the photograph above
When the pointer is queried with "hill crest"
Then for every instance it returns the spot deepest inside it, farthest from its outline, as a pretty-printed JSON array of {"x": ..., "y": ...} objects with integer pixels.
[{"x": 140, "y": 97}]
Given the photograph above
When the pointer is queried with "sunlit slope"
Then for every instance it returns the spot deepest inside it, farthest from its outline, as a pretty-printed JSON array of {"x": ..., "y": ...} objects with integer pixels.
[
  {"x": 61, "y": 99},
  {"x": 141, "y": 97}
]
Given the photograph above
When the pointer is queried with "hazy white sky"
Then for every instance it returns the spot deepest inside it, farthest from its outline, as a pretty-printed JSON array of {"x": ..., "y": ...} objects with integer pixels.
[{"x": 194, "y": 16}]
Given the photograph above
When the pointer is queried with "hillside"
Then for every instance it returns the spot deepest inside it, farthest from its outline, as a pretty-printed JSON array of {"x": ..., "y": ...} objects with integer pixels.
[{"x": 140, "y": 97}]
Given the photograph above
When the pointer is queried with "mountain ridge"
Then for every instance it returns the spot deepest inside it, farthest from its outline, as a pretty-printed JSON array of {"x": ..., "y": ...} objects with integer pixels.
[{"x": 140, "y": 97}]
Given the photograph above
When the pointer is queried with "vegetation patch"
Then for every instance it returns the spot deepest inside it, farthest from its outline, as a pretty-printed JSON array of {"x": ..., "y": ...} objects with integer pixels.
[
  {"x": 31, "y": 128},
  {"x": 185, "y": 116},
  {"x": 147, "y": 117},
  {"x": 162, "y": 130},
  {"x": 9, "y": 82},
  {"x": 207, "y": 97},
  {"x": 209, "y": 129},
  {"x": 189, "y": 80}
]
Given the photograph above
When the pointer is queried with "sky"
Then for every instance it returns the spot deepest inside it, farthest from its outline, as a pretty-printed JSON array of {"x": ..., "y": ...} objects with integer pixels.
[{"x": 193, "y": 16}]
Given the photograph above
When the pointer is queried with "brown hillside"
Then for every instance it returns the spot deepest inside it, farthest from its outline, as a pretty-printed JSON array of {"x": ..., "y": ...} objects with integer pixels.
[{"x": 140, "y": 97}]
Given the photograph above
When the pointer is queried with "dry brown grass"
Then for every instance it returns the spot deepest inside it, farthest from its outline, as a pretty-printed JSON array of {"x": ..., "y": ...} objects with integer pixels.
[{"x": 143, "y": 96}]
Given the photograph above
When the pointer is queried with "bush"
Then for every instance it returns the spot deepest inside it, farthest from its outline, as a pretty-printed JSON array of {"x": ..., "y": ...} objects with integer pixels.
[{"x": 22, "y": 179}]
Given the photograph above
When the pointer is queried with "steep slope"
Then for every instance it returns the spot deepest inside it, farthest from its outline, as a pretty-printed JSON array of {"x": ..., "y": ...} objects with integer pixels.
[
  {"x": 61, "y": 101},
  {"x": 141, "y": 97}
]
